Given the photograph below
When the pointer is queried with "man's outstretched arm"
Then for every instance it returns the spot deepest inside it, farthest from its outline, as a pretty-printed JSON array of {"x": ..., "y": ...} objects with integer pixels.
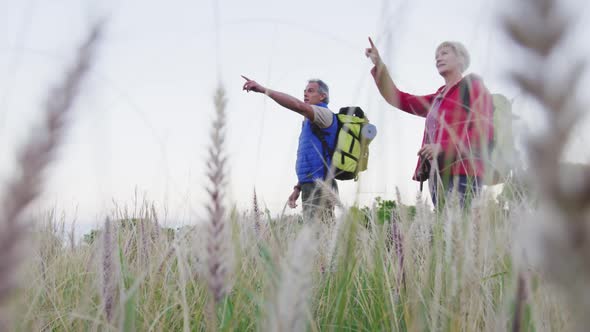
[{"x": 281, "y": 98}]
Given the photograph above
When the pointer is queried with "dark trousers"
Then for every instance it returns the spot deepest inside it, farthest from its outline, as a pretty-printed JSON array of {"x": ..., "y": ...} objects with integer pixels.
[
  {"x": 318, "y": 201},
  {"x": 465, "y": 187}
]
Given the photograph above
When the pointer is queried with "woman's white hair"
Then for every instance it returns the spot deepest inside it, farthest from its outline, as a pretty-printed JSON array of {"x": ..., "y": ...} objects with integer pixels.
[{"x": 459, "y": 50}]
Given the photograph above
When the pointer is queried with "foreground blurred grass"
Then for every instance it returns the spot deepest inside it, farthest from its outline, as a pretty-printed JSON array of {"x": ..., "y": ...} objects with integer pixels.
[{"x": 457, "y": 273}]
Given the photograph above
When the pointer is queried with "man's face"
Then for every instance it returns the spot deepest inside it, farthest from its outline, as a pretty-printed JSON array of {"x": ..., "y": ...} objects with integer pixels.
[{"x": 312, "y": 94}]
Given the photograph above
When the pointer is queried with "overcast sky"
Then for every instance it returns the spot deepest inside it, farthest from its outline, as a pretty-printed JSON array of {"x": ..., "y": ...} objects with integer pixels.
[{"x": 142, "y": 122}]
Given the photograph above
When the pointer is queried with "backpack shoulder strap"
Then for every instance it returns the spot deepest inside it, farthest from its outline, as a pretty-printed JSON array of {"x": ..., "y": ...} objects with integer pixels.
[
  {"x": 315, "y": 129},
  {"x": 321, "y": 135},
  {"x": 325, "y": 147},
  {"x": 465, "y": 93}
]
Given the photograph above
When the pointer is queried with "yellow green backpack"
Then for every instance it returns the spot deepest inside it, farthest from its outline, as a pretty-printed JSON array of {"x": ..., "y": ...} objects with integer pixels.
[{"x": 351, "y": 151}]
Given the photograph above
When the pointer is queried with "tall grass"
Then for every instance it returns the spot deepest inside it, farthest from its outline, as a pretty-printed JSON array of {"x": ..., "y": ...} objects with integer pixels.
[
  {"x": 562, "y": 218},
  {"x": 32, "y": 160},
  {"x": 457, "y": 274}
]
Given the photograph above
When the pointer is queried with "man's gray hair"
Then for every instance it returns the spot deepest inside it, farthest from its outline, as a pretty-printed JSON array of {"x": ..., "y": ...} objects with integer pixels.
[
  {"x": 323, "y": 88},
  {"x": 459, "y": 50}
]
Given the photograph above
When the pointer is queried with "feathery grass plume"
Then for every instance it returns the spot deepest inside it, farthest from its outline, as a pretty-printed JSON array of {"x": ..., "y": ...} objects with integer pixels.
[
  {"x": 72, "y": 235},
  {"x": 291, "y": 308},
  {"x": 520, "y": 302},
  {"x": 330, "y": 239},
  {"x": 33, "y": 158},
  {"x": 216, "y": 173},
  {"x": 143, "y": 258},
  {"x": 256, "y": 211},
  {"x": 156, "y": 229},
  {"x": 108, "y": 271},
  {"x": 540, "y": 28},
  {"x": 398, "y": 241},
  {"x": 541, "y": 34}
]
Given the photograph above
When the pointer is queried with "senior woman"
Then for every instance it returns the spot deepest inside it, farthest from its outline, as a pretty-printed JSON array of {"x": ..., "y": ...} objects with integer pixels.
[{"x": 458, "y": 126}]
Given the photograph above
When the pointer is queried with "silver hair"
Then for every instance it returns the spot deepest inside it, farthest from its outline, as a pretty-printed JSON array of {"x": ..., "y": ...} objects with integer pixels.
[
  {"x": 323, "y": 88},
  {"x": 459, "y": 50}
]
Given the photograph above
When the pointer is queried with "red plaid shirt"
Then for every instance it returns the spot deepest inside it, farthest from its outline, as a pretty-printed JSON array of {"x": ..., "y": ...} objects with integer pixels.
[{"x": 464, "y": 136}]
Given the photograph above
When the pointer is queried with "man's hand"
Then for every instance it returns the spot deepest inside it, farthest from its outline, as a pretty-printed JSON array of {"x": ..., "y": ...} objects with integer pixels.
[
  {"x": 251, "y": 85},
  {"x": 430, "y": 151},
  {"x": 373, "y": 54},
  {"x": 292, "y": 202},
  {"x": 281, "y": 98}
]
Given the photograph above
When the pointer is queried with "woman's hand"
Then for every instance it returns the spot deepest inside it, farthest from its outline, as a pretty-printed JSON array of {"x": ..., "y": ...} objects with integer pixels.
[
  {"x": 373, "y": 54},
  {"x": 430, "y": 151}
]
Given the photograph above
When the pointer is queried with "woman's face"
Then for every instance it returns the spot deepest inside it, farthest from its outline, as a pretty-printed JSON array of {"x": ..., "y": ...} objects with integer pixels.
[{"x": 447, "y": 61}]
